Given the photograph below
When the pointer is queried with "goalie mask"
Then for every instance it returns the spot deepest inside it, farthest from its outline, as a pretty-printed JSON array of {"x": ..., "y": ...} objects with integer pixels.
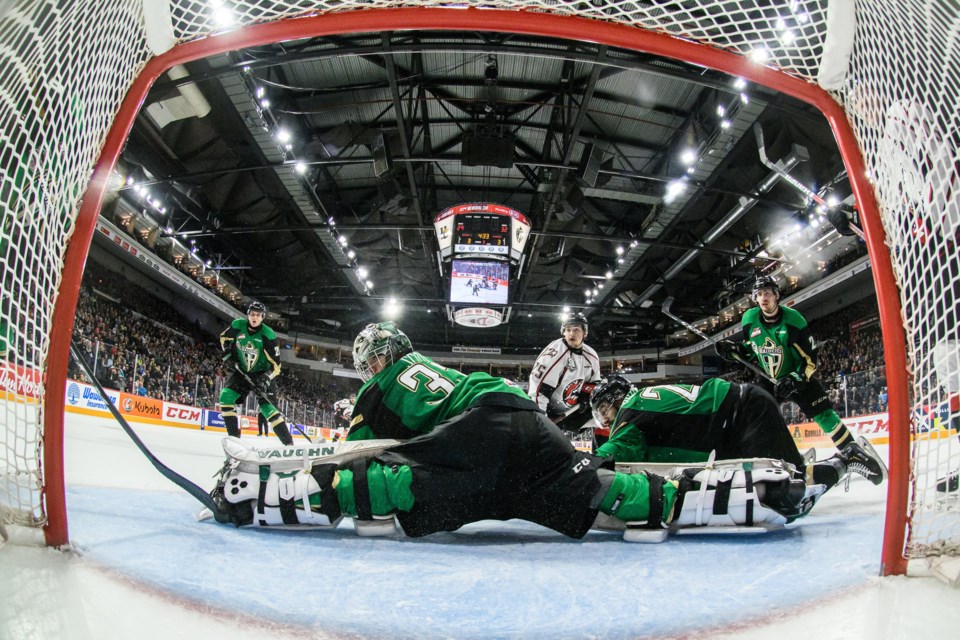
[
  {"x": 381, "y": 344},
  {"x": 606, "y": 399}
]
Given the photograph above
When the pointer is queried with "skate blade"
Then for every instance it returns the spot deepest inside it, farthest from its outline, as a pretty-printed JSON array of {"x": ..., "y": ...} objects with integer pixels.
[
  {"x": 645, "y": 536},
  {"x": 376, "y": 528},
  {"x": 724, "y": 531}
]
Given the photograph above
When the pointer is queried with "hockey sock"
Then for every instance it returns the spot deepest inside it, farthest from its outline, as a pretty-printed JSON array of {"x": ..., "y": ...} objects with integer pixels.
[
  {"x": 829, "y": 421},
  {"x": 387, "y": 490},
  {"x": 230, "y": 421},
  {"x": 631, "y": 496},
  {"x": 279, "y": 427}
]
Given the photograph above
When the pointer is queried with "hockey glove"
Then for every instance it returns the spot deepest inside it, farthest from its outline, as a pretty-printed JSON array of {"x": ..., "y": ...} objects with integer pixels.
[
  {"x": 261, "y": 383},
  {"x": 840, "y": 221},
  {"x": 788, "y": 386},
  {"x": 727, "y": 349}
]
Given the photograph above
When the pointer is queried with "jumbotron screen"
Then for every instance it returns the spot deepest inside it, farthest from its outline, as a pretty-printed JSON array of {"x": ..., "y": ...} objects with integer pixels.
[{"x": 479, "y": 282}]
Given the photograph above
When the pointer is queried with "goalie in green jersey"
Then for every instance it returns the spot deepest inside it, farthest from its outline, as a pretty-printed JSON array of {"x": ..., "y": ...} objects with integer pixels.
[
  {"x": 255, "y": 351},
  {"x": 477, "y": 448},
  {"x": 778, "y": 340},
  {"x": 684, "y": 423}
]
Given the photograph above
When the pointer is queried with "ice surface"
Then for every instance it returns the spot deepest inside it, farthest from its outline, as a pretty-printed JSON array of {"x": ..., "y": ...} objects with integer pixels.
[{"x": 145, "y": 568}]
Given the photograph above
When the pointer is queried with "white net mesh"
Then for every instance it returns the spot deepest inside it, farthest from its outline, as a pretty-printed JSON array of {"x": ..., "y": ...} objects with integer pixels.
[
  {"x": 65, "y": 67},
  {"x": 902, "y": 101}
]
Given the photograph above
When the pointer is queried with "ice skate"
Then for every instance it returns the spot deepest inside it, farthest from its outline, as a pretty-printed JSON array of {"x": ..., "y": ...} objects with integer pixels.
[{"x": 861, "y": 458}]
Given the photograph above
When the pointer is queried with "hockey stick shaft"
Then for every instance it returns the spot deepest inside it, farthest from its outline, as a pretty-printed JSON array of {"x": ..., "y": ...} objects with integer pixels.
[
  {"x": 749, "y": 365},
  {"x": 263, "y": 397},
  {"x": 793, "y": 182},
  {"x": 164, "y": 470}
]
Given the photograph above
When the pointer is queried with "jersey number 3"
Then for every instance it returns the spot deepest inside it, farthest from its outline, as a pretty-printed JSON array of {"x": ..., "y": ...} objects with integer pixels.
[{"x": 436, "y": 383}]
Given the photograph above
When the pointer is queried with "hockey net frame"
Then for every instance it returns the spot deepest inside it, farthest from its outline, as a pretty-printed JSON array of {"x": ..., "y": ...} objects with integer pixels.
[{"x": 65, "y": 121}]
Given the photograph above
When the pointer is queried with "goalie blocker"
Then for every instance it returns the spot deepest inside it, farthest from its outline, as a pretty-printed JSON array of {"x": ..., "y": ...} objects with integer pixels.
[{"x": 307, "y": 489}]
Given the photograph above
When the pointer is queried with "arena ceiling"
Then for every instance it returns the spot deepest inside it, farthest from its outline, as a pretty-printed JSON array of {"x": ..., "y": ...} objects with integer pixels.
[{"x": 277, "y": 185}]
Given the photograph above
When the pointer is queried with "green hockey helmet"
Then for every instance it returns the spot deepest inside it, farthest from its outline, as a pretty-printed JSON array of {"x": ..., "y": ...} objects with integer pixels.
[{"x": 380, "y": 343}]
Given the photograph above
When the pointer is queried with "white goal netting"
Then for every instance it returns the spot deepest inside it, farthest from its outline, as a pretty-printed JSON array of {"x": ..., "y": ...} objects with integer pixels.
[{"x": 65, "y": 68}]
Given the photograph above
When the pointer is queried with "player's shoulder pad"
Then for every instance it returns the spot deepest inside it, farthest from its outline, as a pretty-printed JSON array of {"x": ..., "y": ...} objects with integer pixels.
[
  {"x": 793, "y": 317},
  {"x": 557, "y": 345},
  {"x": 587, "y": 349},
  {"x": 750, "y": 316},
  {"x": 268, "y": 333},
  {"x": 239, "y": 323}
]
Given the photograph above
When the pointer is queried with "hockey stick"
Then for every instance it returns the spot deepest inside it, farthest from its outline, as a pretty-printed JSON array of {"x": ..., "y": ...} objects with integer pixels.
[
  {"x": 263, "y": 397},
  {"x": 164, "y": 470},
  {"x": 752, "y": 367},
  {"x": 793, "y": 182}
]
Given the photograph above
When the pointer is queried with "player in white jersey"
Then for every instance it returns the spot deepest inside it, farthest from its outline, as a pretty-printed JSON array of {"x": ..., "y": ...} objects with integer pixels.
[
  {"x": 343, "y": 411},
  {"x": 564, "y": 375}
]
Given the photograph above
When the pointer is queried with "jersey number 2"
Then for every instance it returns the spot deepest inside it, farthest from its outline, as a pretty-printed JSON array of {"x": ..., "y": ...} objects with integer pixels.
[{"x": 688, "y": 392}]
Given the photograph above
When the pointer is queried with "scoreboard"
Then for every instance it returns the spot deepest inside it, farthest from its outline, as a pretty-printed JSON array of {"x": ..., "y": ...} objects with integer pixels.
[
  {"x": 482, "y": 234},
  {"x": 476, "y": 230}
]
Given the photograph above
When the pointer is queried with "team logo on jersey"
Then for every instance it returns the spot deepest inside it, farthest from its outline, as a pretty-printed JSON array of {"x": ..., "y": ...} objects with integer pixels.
[
  {"x": 755, "y": 332},
  {"x": 770, "y": 356},
  {"x": 250, "y": 354},
  {"x": 571, "y": 392},
  {"x": 571, "y": 363}
]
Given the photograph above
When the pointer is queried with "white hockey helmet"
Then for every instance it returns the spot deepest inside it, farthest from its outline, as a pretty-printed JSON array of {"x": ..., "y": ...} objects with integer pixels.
[{"x": 381, "y": 343}]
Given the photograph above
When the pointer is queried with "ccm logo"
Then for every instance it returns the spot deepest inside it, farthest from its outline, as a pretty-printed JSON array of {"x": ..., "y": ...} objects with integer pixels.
[
  {"x": 183, "y": 414},
  {"x": 580, "y": 466}
]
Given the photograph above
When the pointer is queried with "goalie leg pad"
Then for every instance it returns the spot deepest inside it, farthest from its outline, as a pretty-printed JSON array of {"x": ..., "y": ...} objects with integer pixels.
[
  {"x": 732, "y": 497},
  {"x": 294, "y": 498}
]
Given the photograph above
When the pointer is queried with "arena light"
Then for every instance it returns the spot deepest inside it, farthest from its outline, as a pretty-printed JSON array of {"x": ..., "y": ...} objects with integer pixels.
[
  {"x": 674, "y": 189},
  {"x": 392, "y": 309}
]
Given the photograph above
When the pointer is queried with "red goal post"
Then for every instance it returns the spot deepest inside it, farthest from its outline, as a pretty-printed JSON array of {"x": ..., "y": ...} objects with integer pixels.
[{"x": 74, "y": 76}]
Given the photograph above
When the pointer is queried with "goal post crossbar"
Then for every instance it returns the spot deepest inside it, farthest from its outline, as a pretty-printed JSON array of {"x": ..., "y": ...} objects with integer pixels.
[{"x": 494, "y": 20}]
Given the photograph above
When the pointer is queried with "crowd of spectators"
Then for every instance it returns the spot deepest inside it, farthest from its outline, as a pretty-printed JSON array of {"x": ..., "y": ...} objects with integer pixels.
[{"x": 140, "y": 345}]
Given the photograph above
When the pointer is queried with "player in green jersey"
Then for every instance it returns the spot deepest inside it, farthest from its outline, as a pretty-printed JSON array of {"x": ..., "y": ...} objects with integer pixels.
[
  {"x": 413, "y": 393},
  {"x": 778, "y": 339},
  {"x": 685, "y": 423},
  {"x": 255, "y": 352},
  {"x": 478, "y": 448}
]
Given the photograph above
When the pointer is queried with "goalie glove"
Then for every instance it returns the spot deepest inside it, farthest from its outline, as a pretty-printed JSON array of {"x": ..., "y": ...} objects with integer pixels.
[
  {"x": 788, "y": 386},
  {"x": 727, "y": 349}
]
